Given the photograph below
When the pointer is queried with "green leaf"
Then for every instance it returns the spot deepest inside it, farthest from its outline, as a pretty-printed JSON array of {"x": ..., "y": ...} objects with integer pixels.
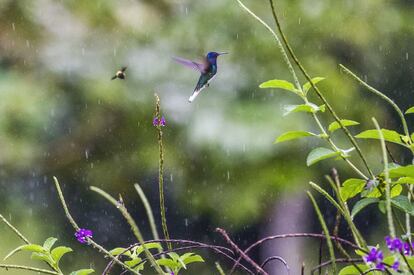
[
  {"x": 396, "y": 190},
  {"x": 168, "y": 263},
  {"x": 279, "y": 84},
  {"x": 133, "y": 264},
  {"x": 58, "y": 253},
  {"x": 26, "y": 247},
  {"x": 389, "y": 135},
  {"x": 403, "y": 204},
  {"x": 308, "y": 85},
  {"x": 402, "y": 171},
  {"x": 405, "y": 180},
  {"x": 49, "y": 243},
  {"x": 42, "y": 257},
  {"x": 351, "y": 270},
  {"x": 293, "y": 135},
  {"x": 410, "y": 110},
  {"x": 82, "y": 272},
  {"x": 119, "y": 250},
  {"x": 192, "y": 258},
  {"x": 361, "y": 204},
  {"x": 345, "y": 122},
  {"x": 139, "y": 249},
  {"x": 309, "y": 108},
  {"x": 351, "y": 188},
  {"x": 319, "y": 154}
]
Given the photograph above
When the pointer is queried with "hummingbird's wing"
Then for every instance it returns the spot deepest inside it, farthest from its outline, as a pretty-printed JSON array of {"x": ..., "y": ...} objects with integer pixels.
[
  {"x": 123, "y": 69},
  {"x": 201, "y": 67},
  {"x": 114, "y": 77}
]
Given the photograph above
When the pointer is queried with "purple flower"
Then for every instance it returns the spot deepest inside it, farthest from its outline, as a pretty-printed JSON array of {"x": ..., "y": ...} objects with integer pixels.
[
  {"x": 395, "y": 265},
  {"x": 407, "y": 248},
  {"x": 82, "y": 234},
  {"x": 394, "y": 245},
  {"x": 375, "y": 256},
  {"x": 158, "y": 122}
]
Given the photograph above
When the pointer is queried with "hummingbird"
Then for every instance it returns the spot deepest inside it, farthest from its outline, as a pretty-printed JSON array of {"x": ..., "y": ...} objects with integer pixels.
[
  {"x": 207, "y": 68},
  {"x": 120, "y": 74}
]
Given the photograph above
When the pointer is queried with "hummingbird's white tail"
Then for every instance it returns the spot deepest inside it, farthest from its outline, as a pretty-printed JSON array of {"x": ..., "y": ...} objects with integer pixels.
[{"x": 194, "y": 95}]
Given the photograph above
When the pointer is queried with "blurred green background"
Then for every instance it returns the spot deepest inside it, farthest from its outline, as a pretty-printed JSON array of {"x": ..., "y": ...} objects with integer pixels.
[{"x": 60, "y": 115}]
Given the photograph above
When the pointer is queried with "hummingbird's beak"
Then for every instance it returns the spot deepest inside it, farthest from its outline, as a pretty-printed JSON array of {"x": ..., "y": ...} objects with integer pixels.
[{"x": 223, "y": 53}]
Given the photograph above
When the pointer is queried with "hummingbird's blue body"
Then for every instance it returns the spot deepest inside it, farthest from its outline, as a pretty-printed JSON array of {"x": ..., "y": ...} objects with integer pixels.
[{"x": 208, "y": 70}]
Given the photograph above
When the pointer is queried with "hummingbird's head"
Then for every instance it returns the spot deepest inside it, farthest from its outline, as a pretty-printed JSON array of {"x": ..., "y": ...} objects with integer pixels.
[{"x": 212, "y": 56}]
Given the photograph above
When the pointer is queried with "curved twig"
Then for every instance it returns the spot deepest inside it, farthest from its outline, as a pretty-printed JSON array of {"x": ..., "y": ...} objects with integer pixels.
[
  {"x": 280, "y": 259},
  {"x": 22, "y": 267},
  {"x": 340, "y": 260},
  {"x": 295, "y": 235},
  {"x": 239, "y": 251}
]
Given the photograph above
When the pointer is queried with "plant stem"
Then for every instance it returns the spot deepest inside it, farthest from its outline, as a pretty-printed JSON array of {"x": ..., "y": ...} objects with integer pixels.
[
  {"x": 161, "y": 173},
  {"x": 318, "y": 92},
  {"x": 132, "y": 223},
  {"x": 326, "y": 232},
  {"x": 76, "y": 227},
  {"x": 387, "y": 181},
  {"x": 20, "y": 235},
  {"x": 219, "y": 268},
  {"x": 22, "y": 267}
]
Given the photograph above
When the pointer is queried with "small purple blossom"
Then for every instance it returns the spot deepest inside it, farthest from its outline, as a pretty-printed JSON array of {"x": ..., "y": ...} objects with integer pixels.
[
  {"x": 158, "y": 122},
  {"x": 375, "y": 256},
  {"x": 394, "y": 245},
  {"x": 407, "y": 248},
  {"x": 395, "y": 265},
  {"x": 82, "y": 234}
]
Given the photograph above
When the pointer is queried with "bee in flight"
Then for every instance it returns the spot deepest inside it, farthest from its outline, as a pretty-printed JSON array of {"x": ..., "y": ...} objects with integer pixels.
[{"x": 120, "y": 74}]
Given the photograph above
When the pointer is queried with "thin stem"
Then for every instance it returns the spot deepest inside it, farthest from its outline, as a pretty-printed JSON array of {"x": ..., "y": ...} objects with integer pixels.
[
  {"x": 325, "y": 230},
  {"x": 76, "y": 227},
  {"x": 219, "y": 268},
  {"x": 161, "y": 173},
  {"x": 134, "y": 227},
  {"x": 381, "y": 95},
  {"x": 387, "y": 180},
  {"x": 318, "y": 92},
  {"x": 29, "y": 268},
  {"x": 240, "y": 252},
  {"x": 20, "y": 235},
  {"x": 280, "y": 259},
  {"x": 148, "y": 210}
]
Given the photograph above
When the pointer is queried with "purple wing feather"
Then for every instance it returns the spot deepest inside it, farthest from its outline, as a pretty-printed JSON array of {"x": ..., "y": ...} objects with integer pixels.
[{"x": 201, "y": 67}]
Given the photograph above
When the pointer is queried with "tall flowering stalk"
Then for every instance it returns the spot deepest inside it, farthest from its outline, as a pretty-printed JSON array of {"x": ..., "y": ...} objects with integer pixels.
[{"x": 159, "y": 122}]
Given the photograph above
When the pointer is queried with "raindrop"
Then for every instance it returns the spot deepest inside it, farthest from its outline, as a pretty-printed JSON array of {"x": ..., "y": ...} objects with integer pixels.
[
  {"x": 186, "y": 10},
  {"x": 13, "y": 27},
  {"x": 83, "y": 51},
  {"x": 406, "y": 56},
  {"x": 27, "y": 43},
  {"x": 228, "y": 175},
  {"x": 87, "y": 154},
  {"x": 244, "y": 148},
  {"x": 299, "y": 20},
  {"x": 186, "y": 222},
  {"x": 171, "y": 177},
  {"x": 114, "y": 52}
]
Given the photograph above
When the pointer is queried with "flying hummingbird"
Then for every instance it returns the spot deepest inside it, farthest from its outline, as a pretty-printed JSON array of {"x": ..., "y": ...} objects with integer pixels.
[
  {"x": 208, "y": 69},
  {"x": 120, "y": 74}
]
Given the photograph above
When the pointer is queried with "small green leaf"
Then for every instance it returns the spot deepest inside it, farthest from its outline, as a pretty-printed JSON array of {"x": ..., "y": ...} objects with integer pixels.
[
  {"x": 410, "y": 110},
  {"x": 309, "y": 108},
  {"x": 82, "y": 272},
  {"x": 26, "y": 247},
  {"x": 308, "y": 85},
  {"x": 351, "y": 188},
  {"x": 319, "y": 154},
  {"x": 403, "y": 204},
  {"x": 351, "y": 270},
  {"x": 192, "y": 259},
  {"x": 119, "y": 250},
  {"x": 293, "y": 135},
  {"x": 405, "y": 180},
  {"x": 58, "y": 253},
  {"x": 168, "y": 263},
  {"x": 139, "y": 249},
  {"x": 49, "y": 243},
  {"x": 402, "y": 171},
  {"x": 345, "y": 122},
  {"x": 42, "y": 257},
  {"x": 279, "y": 84},
  {"x": 133, "y": 263},
  {"x": 361, "y": 204},
  {"x": 389, "y": 135},
  {"x": 396, "y": 190}
]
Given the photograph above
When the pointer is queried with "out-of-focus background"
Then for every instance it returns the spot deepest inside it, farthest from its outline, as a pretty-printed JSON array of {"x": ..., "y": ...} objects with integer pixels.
[{"x": 60, "y": 115}]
